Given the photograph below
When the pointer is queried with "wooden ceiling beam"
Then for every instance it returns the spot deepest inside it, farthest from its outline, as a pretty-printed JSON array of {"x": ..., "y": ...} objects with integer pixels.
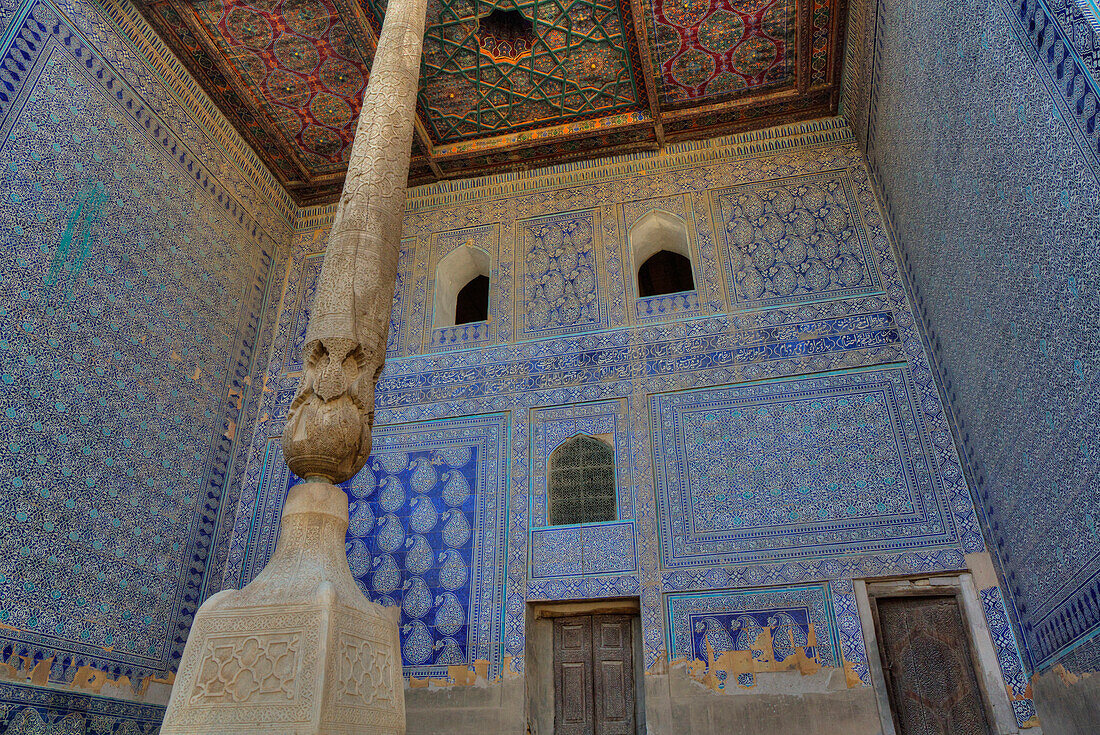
[
  {"x": 641, "y": 40},
  {"x": 426, "y": 144}
]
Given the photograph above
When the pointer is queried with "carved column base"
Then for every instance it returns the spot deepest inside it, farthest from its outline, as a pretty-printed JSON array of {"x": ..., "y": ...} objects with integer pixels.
[{"x": 299, "y": 650}]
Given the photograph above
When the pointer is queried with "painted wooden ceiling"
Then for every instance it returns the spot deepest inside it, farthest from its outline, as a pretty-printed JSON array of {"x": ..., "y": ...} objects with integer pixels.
[{"x": 507, "y": 83}]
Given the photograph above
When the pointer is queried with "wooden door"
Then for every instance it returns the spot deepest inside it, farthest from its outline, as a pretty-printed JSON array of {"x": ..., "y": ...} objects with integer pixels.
[
  {"x": 613, "y": 674},
  {"x": 574, "y": 712},
  {"x": 929, "y": 668},
  {"x": 593, "y": 675}
]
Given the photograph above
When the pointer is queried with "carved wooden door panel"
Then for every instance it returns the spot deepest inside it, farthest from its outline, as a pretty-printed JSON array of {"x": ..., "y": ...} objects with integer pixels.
[
  {"x": 574, "y": 713},
  {"x": 613, "y": 676},
  {"x": 928, "y": 666},
  {"x": 593, "y": 675}
]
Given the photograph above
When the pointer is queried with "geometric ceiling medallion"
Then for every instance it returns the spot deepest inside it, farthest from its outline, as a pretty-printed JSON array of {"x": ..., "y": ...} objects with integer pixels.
[
  {"x": 505, "y": 35},
  {"x": 501, "y": 67}
]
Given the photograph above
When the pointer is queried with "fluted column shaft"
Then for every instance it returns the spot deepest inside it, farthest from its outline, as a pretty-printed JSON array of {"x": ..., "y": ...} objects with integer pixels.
[{"x": 328, "y": 431}]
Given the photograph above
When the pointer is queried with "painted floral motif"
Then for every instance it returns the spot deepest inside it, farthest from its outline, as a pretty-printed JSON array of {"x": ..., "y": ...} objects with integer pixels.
[
  {"x": 794, "y": 242},
  {"x": 560, "y": 286}
]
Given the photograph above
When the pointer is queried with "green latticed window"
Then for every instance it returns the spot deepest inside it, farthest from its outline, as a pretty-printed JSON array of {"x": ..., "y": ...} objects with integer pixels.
[{"x": 581, "y": 482}]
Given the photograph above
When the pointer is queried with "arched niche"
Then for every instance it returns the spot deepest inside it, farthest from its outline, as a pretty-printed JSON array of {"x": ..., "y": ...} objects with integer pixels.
[
  {"x": 580, "y": 482},
  {"x": 459, "y": 269},
  {"x": 661, "y": 254}
]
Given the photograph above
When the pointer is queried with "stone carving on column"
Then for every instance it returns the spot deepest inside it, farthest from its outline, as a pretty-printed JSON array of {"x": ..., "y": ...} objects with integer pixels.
[{"x": 300, "y": 649}]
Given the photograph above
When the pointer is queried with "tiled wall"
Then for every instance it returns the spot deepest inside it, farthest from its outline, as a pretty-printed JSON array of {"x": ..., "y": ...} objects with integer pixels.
[
  {"x": 139, "y": 237},
  {"x": 980, "y": 124},
  {"x": 800, "y": 357}
]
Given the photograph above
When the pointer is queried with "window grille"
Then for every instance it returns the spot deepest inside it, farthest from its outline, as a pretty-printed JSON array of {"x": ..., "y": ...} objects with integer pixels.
[{"x": 581, "y": 482}]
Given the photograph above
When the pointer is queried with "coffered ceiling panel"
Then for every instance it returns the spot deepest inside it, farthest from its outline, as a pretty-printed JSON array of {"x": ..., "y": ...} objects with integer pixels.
[{"x": 507, "y": 83}]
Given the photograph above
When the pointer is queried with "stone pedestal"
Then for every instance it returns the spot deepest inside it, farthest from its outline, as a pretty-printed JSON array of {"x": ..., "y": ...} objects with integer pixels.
[{"x": 299, "y": 650}]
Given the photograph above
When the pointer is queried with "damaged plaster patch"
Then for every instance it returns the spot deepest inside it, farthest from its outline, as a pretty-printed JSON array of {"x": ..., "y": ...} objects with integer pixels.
[
  {"x": 89, "y": 680},
  {"x": 1068, "y": 677},
  {"x": 729, "y": 671},
  {"x": 475, "y": 674}
]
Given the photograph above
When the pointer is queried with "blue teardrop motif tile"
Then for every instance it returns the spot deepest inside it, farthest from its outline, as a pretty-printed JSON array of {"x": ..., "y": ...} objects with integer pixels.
[
  {"x": 358, "y": 558},
  {"x": 456, "y": 530},
  {"x": 452, "y": 572},
  {"x": 418, "y": 643},
  {"x": 449, "y": 614},
  {"x": 392, "y": 496},
  {"x": 424, "y": 515},
  {"x": 418, "y": 555},
  {"x": 456, "y": 490},
  {"x": 456, "y": 456},
  {"x": 451, "y": 653},
  {"x": 363, "y": 485},
  {"x": 387, "y": 575},
  {"x": 417, "y": 599},
  {"x": 362, "y": 519},
  {"x": 391, "y": 535},
  {"x": 715, "y": 634},
  {"x": 392, "y": 462},
  {"x": 424, "y": 477}
]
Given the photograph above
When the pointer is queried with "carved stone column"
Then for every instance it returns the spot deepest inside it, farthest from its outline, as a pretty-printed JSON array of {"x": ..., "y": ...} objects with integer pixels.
[{"x": 300, "y": 649}]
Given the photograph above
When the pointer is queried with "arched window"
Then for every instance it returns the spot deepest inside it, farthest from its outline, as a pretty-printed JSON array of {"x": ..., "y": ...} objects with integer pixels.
[
  {"x": 662, "y": 254},
  {"x": 581, "y": 482},
  {"x": 462, "y": 287}
]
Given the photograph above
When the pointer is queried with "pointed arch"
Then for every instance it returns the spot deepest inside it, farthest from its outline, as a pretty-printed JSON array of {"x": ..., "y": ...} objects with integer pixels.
[
  {"x": 661, "y": 252},
  {"x": 462, "y": 283}
]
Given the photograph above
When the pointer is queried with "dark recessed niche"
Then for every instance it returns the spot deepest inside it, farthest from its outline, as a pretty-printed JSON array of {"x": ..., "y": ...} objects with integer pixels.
[
  {"x": 663, "y": 273},
  {"x": 507, "y": 33},
  {"x": 472, "y": 304}
]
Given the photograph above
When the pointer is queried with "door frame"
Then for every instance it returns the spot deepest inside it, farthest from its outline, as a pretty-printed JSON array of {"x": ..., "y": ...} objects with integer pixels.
[
  {"x": 539, "y": 656},
  {"x": 983, "y": 654}
]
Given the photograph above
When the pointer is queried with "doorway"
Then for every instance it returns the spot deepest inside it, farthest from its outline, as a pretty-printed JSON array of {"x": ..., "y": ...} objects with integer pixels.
[
  {"x": 928, "y": 666},
  {"x": 584, "y": 668},
  {"x": 593, "y": 675}
]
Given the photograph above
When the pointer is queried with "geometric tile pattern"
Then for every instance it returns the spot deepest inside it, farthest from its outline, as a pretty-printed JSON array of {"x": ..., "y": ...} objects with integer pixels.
[
  {"x": 709, "y": 356},
  {"x": 27, "y": 709},
  {"x": 1008, "y": 302},
  {"x": 134, "y": 286},
  {"x": 1008, "y": 656},
  {"x": 579, "y": 550},
  {"x": 803, "y": 468},
  {"x": 577, "y": 64},
  {"x": 849, "y": 629},
  {"x": 831, "y": 568}
]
